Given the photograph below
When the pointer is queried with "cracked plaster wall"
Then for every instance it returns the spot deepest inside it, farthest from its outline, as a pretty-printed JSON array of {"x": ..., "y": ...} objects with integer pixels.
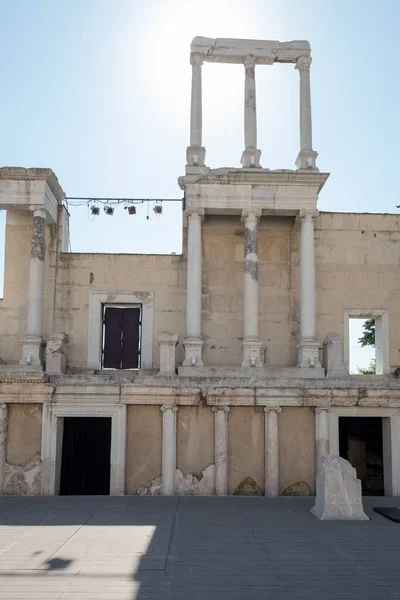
[
  {"x": 245, "y": 445},
  {"x": 23, "y": 467},
  {"x": 296, "y": 447},
  {"x": 143, "y": 446},
  {"x": 195, "y": 438}
]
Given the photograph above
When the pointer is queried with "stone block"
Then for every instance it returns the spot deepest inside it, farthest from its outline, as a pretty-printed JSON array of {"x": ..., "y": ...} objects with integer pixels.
[
  {"x": 338, "y": 491},
  {"x": 333, "y": 356},
  {"x": 167, "y": 342},
  {"x": 56, "y": 353}
]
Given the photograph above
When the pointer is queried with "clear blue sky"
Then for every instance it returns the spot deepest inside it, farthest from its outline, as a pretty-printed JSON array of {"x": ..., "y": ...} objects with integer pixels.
[{"x": 99, "y": 91}]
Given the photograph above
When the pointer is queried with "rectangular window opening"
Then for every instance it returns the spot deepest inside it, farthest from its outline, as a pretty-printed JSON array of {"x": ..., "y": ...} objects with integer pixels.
[
  {"x": 121, "y": 336},
  {"x": 362, "y": 346}
]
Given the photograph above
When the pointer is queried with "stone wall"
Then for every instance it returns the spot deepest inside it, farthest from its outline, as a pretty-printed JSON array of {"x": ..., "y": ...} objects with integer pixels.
[
  {"x": 354, "y": 253},
  {"x": 296, "y": 450},
  {"x": 23, "y": 459},
  {"x": 246, "y": 448},
  {"x": 143, "y": 446},
  {"x": 195, "y": 439}
]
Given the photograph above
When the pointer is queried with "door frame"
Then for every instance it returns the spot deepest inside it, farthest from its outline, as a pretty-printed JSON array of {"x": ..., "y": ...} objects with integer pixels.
[
  {"x": 391, "y": 440},
  {"x": 52, "y": 437}
]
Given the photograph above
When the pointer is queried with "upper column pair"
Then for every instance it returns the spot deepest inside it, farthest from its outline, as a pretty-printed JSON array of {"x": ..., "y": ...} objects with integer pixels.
[{"x": 195, "y": 153}]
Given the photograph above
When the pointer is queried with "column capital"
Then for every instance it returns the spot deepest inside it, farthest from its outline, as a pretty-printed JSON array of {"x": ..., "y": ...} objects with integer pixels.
[
  {"x": 38, "y": 211},
  {"x": 308, "y": 215},
  {"x": 218, "y": 408},
  {"x": 268, "y": 409},
  {"x": 165, "y": 407},
  {"x": 195, "y": 213},
  {"x": 251, "y": 216},
  {"x": 196, "y": 59},
  {"x": 303, "y": 63},
  {"x": 321, "y": 409}
]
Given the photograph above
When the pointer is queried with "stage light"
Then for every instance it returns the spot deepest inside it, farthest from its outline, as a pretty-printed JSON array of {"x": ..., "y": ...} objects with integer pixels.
[
  {"x": 95, "y": 210},
  {"x": 157, "y": 209},
  {"x": 109, "y": 210},
  {"x": 131, "y": 210}
]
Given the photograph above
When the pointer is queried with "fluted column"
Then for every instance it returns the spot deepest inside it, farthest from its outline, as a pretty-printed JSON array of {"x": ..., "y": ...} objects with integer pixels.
[
  {"x": 251, "y": 341},
  {"x": 321, "y": 434},
  {"x": 33, "y": 343},
  {"x": 168, "y": 449},
  {"x": 221, "y": 449},
  {"x": 308, "y": 347},
  {"x": 272, "y": 450},
  {"x": 307, "y": 156},
  {"x": 250, "y": 156},
  {"x": 3, "y": 444},
  {"x": 193, "y": 342},
  {"x": 196, "y": 152}
]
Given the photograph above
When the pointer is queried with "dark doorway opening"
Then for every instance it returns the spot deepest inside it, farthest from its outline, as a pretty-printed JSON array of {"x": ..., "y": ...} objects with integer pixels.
[
  {"x": 361, "y": 443},
  {"x": 86, "y": 456}
]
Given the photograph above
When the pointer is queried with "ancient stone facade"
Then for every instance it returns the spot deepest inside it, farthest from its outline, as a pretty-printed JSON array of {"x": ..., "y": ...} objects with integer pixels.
[{"x": 236, "y": 392}]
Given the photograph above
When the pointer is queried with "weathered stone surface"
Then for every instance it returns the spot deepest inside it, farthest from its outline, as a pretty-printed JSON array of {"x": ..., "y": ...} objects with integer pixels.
[
  {"x": 300, "y": 488},
  {"x": 154, "y": 489},
  {"x": 248, "y": 487},
  {"x": 23, "y": 480},
  {"x": 338, "y": 491},
  {"x": 207, "y": 482},
  {"x": 185, "y": 485}
]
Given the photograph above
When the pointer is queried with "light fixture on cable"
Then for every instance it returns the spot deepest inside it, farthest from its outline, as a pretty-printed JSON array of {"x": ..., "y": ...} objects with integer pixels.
[
  {"x": 109, "y": 210},
  {"x": 131, "y": 210},
  {"x": 157, "y": 208},
  {"x": 95, "y": 210}
]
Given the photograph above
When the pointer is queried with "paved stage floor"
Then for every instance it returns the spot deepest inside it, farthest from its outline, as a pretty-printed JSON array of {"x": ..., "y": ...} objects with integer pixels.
[{"x": 191, "y": 548}]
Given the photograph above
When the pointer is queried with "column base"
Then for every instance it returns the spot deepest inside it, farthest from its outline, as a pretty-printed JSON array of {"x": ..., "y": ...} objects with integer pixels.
[
  {"x": 251, "y": 158},
  {"x": 251, "y": 353},
  {"x": 195, "y": 156},
  {"x": 193, "y": 347},
  {"x": 308, "y": 354},
  {"x": 33, "y": 351},
  {"x": 306, "y": 160}
]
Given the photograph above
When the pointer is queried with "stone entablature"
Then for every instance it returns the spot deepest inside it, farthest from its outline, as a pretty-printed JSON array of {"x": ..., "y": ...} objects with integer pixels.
[{"x": 231, "y": 50}]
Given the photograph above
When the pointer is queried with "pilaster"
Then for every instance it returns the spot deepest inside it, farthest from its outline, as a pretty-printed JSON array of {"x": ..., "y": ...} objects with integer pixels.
[
  {"x": 272, "y": 450},
  {"x": 168, "y": 449},
  {"x": 221, "y": 449}
]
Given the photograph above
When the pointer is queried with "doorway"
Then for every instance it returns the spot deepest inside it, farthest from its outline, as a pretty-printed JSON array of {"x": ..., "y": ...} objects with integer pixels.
[
  {"x": 86, "y": 456},
  {"x": 361, "y": 443}
]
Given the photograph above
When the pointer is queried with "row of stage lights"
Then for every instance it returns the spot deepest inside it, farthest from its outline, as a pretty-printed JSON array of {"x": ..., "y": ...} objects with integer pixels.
[{"x": 109, "y": 209}]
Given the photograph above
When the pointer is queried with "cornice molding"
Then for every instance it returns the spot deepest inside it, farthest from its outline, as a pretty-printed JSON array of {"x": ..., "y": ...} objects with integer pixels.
[{"x": 34, "y": 174}]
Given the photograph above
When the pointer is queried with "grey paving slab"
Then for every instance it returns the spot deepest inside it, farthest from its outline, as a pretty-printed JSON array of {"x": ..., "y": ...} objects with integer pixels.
[{"x": 189, "y": 548}]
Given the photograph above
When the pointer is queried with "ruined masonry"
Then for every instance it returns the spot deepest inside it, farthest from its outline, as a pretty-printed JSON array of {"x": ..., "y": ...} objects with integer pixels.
[{"x": 224, "y": 370}]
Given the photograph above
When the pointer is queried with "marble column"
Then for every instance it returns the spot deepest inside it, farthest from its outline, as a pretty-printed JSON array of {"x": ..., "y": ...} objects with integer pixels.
[
  {"x": 250, "y": 155},
  {"x": 3, "y": 444},
  {"x": 251, "y": 341},
  {"x": 308, "y": 346},
  {"x": 33, "y": 343},
  {"x": 321, "y": 434},
  {"x": 221, "y": 449},
  {"x": 307, "y": 156},
  {"x": 271, "y": 450},
  {"x": 193, "y": 342},
  {"x": 195, "y": 153},
  {"x": 169, "y": 449}
]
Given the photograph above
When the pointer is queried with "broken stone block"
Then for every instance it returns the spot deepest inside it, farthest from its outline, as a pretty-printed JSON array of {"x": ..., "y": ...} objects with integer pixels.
[
  {"x": 56, "y": 353},
  {"x": 248, "y": 487},
  {"x": 207, "y": 482},
  {"x": 167, "y": 342},
  {"x": 338, "y": 491},
  {"x": 300, "y": 488},
  {"x": 333, "y": 356}
]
